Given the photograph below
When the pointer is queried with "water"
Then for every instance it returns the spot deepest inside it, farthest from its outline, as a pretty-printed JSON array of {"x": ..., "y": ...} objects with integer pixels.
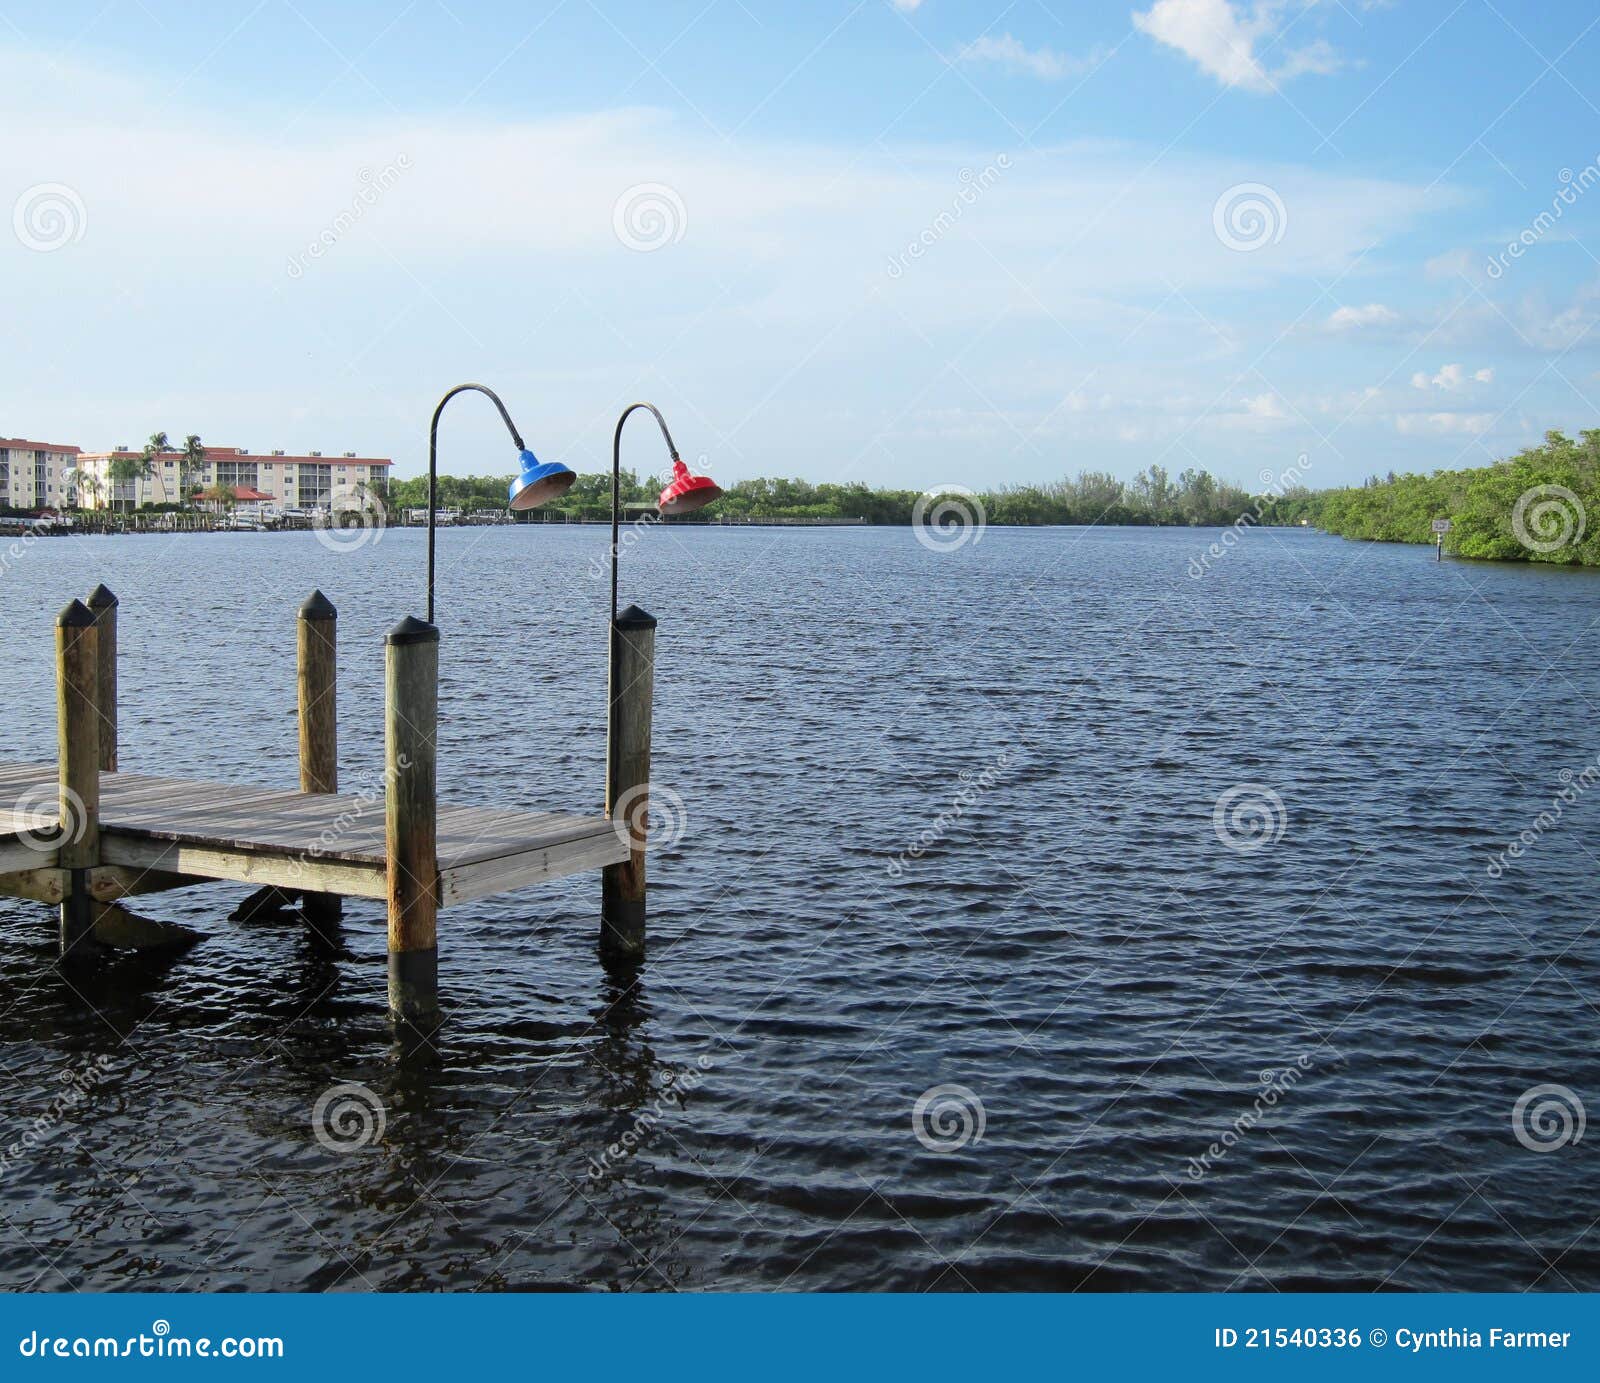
[{"x": 949, "y": 819}]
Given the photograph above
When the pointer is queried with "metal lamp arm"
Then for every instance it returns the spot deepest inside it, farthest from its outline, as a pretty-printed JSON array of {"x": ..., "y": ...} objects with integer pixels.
[
  {"x": 433, "y": 463},
  {"x": 616, "y": 483}
]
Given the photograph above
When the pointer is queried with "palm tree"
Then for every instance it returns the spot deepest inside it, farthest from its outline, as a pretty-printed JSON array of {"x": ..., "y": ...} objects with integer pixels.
[
  {"x": 191, "y": 462},
  {"x": 130, "y": 466},
  {"x": 154, "y": 449},
  {"x": 80, "y": 483}
]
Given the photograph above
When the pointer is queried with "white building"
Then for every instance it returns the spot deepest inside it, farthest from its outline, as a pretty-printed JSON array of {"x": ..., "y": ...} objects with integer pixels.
[
  {"x": 291, "y": 482},
  {"x": 36, "y": 475}
]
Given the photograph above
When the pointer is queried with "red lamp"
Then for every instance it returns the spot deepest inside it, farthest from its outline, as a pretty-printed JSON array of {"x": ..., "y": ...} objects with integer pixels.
[{"x": 685, "y": 492}]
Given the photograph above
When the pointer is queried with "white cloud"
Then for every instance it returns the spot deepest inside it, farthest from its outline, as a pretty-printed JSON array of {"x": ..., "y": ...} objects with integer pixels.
[
  {"x": 1443, "y": 424},
  {"x": 1221, "y": 38},
  {"x": 1354, "y": 318},
  {"x": 1041, "y": 62},
  {"x": 1451, "y": 378},
  {"x": 906, "y": 6},
  {"x": 1266, "y": 406}
]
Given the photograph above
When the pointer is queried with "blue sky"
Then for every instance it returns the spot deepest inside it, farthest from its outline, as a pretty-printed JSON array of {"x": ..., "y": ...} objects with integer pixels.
[{"x": 906, "y": 243}]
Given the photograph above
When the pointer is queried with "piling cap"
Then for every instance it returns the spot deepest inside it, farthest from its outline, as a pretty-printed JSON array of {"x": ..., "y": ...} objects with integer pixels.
[
  {"x": 635, "y": 618},
  {"x": 101, "y": 598},
  {"x": 318, "y": 606},
  {"x": 411, "y": 630},
  {"x": 76, "y": 616}
]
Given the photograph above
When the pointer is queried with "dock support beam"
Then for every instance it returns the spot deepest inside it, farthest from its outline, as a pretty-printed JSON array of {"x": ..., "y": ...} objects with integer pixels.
[
  {"x": 103, "y": 605},
  {"x": 78, "y": 739},
  {"x": 411, "y": 713},
  {"x": 316, "y": 647},
  {"x": 632, "y": 675}
]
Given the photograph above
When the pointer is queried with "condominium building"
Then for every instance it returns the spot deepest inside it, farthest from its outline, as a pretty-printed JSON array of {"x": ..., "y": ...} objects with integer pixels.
[
  {"x": 36, "y": 475},
  {"x": 307, "y": 482}
]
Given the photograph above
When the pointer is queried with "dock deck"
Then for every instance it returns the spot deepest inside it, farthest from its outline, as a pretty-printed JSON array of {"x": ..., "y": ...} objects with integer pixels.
[{"x": 333, "y": 842}]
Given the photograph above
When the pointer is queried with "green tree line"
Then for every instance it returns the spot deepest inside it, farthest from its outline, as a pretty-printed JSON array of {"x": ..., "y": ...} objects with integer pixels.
[
  {"x": 1193, "y": 497},
  {"x": 1541, "y": 505}
]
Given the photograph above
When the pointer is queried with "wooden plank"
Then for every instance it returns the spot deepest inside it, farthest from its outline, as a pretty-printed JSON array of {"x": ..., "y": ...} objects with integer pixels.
[
  {"x": 108, "y": 882},
  {"x": 20, "y": 855},
  {"x": 176, "y": 857},
  {"x": 505, "y": 873},
  {"x": 36, "y": 885}
]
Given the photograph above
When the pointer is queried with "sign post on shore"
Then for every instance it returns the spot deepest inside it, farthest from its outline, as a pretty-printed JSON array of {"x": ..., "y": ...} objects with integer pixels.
[{"x": 1440, "y": 528}]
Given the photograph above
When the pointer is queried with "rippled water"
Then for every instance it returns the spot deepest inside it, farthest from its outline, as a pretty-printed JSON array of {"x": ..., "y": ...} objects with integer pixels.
[{"x": 951, "y": 819}]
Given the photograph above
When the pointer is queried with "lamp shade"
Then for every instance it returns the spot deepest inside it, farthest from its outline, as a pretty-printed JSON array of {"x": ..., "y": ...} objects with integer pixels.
[
  {"x": 685, "y": 492},
  {"x": 540, "y": 482}
]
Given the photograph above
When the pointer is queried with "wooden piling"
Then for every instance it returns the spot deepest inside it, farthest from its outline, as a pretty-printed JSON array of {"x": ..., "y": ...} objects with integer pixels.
[
  {"x": 316, "y": 650},
  {"x": 411, "y": 711},
  {"x": 632, "y": 677},
  {"x": 103, "y": 605},
  {"x": 78, "y": 741}
]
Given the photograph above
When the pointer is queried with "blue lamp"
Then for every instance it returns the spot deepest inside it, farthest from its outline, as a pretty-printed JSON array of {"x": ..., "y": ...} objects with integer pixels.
[{"x": 539, "y": 483}]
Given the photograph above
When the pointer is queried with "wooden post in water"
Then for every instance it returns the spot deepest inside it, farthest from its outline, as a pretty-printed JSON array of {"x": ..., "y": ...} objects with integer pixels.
[
  {"x": 103, "y": 605},
  {"x": 632, "y": 677},
  {"x": 78, "y": 741},
  {"x": 316, "y": 648},
  {"x": 411, "y": 713}
]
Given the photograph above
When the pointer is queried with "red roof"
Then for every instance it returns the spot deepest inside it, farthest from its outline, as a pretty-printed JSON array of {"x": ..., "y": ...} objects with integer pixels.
[
  {"x": 215, "y": 454},
  {"x": 242, "y": 494},
  {"x": 17, "y": 444}
]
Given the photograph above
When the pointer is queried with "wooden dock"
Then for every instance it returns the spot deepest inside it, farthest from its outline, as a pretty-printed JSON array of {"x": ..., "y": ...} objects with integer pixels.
[
  {"x": 82, "y": 834},
  {"x": 323, "y": 842}
]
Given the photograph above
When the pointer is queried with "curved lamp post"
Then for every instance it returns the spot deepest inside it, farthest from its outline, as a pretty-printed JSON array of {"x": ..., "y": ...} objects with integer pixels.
[
  {"x": 630, "y": 672},
  {"x": 539, "y": 482},
  {"x": 683, "y": 494}
]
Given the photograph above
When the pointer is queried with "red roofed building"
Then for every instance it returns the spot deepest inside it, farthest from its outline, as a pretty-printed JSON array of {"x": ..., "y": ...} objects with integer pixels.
[
  {"x": 36, "y": 475},
  {"x": 307, "y": 482}
]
